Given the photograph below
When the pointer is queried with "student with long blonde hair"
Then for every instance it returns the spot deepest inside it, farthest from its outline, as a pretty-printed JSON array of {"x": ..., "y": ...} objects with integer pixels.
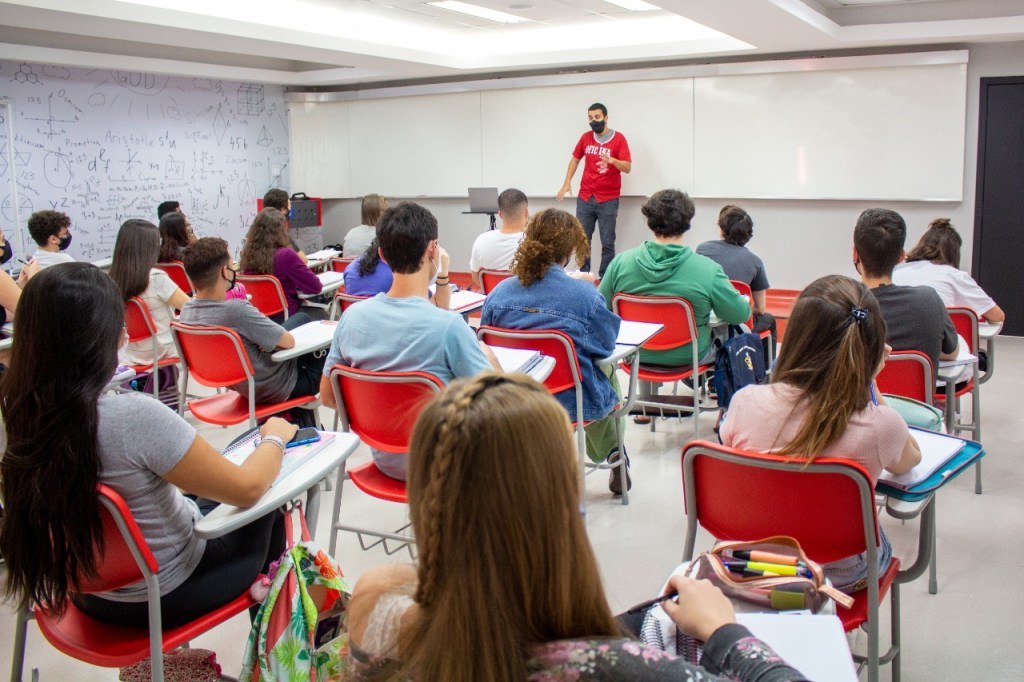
[
  {"x": 822, "y": 400},
  {"x": 506, "y": 586}
]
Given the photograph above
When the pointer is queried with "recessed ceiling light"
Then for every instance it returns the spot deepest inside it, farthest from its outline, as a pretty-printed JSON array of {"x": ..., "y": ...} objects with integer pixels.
[
  {"x": 633, "y": 5},
  {"x": 520, "y": 6},
  {"x": 477, "y": 11}
]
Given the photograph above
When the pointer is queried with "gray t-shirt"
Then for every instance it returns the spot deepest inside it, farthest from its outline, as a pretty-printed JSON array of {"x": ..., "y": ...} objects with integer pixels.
[
  {"x": 916, "y": 319},
  {"x": 275, "y": 381},
  {"x": 357, "y": 241},
  {"x": 738, "y": 262}
]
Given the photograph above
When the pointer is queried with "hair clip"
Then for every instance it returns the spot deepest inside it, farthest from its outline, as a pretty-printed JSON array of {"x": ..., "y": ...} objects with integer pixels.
[{"x": 858, "y": 315}]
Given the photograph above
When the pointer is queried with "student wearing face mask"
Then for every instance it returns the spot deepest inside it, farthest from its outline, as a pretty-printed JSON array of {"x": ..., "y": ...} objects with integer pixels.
[
  {"x": 605, "y": 156},
  {"x": 50, "y": 230},
  {"x": 399, "y": 330}
]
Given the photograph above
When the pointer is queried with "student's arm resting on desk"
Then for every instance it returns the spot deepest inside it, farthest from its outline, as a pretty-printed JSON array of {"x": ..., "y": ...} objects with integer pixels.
[
  {"x": 178, "y": 299},
  {"x": 301, "y": 276},
  {"x": 206, "y": 473},
  {"x": 910, "y": 455},
  {"x": 760, "y": 301},
  {"x": 727, "y": 303},
  {"x": 995, "y": 314}
]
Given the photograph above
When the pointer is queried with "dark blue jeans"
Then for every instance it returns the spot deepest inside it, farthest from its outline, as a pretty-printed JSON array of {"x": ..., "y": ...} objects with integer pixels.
[{"x": 605, "y": 215}]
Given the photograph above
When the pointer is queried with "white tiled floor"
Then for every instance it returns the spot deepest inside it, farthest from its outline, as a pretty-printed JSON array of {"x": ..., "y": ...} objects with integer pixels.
[{"x": 964, "y": 632}]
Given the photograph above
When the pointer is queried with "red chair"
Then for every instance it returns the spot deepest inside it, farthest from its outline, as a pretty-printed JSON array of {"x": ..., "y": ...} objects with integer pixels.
[
  {"x": 266, "y": 294},
  {"x": 744, "y": 290},
  {"x": 126, "y": 559},
  {"x": 176, "y": 271},
  {"x": 381, "y": 408},
  {"x": 140, "y": 326},
  {"x": 565, "y": 375},
  {"x": 215, "y": 357},
  {"x": 680, "y": 329},
  {"x": 827, "y": 505},
  {"x": 343, "y": 301},
  {"x": 966, "y": 322},
  {"x": 339, "y": 264},
  {"x": 908, "y": 373},
  {"x": 492, "y": 278}
]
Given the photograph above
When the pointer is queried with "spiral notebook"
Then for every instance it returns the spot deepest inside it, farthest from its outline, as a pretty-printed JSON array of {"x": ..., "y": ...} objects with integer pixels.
[{"x": 294, "y": 457}]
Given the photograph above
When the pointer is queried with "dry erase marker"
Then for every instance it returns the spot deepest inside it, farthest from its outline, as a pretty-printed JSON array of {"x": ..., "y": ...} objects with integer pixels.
[
  {"x": 767, "y": 557},
  {"x": 741, "y": 567},
  {"x": 777, "y": 568}
]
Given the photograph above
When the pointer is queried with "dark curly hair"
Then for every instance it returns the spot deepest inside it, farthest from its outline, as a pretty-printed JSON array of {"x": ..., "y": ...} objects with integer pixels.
[
  {"x": 669, "y": 212},
  {"x": 736, "y": 225},
  {"x": 551, "y": 237}
]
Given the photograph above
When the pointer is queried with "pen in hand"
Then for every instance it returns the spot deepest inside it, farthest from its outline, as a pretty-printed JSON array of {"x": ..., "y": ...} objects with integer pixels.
[{"x": 643, "y": 606}]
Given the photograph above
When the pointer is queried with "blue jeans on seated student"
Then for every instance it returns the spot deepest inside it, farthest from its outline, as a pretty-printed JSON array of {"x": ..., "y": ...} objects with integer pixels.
[{"x": 850, "y": 574}]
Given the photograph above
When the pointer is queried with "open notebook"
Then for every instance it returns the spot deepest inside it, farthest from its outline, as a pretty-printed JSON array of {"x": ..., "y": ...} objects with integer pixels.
[
  {"x": 936, "y": 451},
  {"x": 293, "y": 457},
  {"x": 517, "y": 359}
]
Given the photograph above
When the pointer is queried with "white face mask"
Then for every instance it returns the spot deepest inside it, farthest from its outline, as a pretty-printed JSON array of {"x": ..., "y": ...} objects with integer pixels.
[{"x": 124, "y": 345}]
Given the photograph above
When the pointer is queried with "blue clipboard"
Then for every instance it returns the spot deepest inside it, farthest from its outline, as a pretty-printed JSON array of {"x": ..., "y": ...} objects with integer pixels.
[{"x": 972, "y": 452}]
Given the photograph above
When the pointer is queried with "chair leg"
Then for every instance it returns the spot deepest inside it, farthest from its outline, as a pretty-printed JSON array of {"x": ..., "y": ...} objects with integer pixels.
[
  {"x": 336, "y": 509},
  {"x": 894, "y": 628},
  {"x": 933, "y": 565},
  {"x": 623, "y": 462},
  {"x": 20, "y": 636}
]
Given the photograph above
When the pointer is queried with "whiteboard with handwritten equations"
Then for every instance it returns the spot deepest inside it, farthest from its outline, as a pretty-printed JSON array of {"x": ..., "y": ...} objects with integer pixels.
[{"x": 106, "y": 146}]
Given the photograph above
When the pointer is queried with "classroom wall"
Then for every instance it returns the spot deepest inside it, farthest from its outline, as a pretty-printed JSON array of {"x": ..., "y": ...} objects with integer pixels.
[{"x": 798, "y": 240}]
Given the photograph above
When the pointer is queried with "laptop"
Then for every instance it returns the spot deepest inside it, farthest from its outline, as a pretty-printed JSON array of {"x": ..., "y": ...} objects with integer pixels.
[{"x": 483, "y": 199}]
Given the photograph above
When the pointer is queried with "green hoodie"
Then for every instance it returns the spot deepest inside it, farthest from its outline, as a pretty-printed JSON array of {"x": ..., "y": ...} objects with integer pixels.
[{"x": 655, "y": 269}]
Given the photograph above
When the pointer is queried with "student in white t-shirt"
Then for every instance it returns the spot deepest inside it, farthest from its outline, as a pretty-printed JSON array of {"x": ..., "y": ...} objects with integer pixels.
[
  {"x": 50, "y": 231},
  {"x": 360, "y": 237},
  {"x": 493, "y": 250},
  {"x": 935, "y": 262}
]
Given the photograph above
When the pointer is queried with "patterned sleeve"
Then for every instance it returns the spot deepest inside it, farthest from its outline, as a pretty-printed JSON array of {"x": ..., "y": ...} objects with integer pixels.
[{"x": 734, "y": 653}]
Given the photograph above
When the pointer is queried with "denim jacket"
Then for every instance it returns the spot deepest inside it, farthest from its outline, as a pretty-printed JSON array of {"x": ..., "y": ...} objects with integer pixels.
[{"x": 557, "y": 301}]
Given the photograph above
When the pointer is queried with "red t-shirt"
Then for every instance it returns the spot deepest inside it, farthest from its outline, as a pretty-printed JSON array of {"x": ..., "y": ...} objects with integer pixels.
[{"x": 601, "y": 180}]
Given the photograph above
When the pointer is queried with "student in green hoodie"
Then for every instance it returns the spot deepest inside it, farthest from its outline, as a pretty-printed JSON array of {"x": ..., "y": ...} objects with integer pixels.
[{"x": 665, "y": 267}]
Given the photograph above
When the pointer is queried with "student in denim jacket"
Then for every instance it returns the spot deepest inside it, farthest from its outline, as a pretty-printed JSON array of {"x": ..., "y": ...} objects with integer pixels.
[{"x": 543, "y": 296}]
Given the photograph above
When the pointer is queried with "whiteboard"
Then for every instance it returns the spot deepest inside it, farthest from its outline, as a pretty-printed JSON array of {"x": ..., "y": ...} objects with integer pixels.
[
  {"x": 105, "y": 146},
  {"x": 411, "y": 146},
  {"x": 529, "y": 133},
  {"x": 319, "y": 135},
  {"x": 881, "y": 133}
]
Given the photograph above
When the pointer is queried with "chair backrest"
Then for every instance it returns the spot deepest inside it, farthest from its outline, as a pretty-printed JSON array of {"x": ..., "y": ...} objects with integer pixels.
[
  {"x": 176, "y": 271},
  {"x": 124, "y": 547},
  {"x": 827, "y": 505},
  {"x": 267, "y": 294},
  {"x": 214, "y": 356},
  {"x": 346, "y": 300},
  {"x": 382, "y": 407},
  {"x": 339, "y": 264},
  {"x": 551, "y": 342},
  {"x": 492, "y": 278},
  {"x": 966, "y": 322},
  {"x": 674, "y": 312},
  {"x": 137, "y": 320},
  {"x": 744, "y": 290},
  {"x": 908, "y": 373}
]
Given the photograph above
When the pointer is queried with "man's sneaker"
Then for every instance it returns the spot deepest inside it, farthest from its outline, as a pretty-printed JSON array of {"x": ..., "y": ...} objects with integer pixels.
[{"x": 614, "y": 480}]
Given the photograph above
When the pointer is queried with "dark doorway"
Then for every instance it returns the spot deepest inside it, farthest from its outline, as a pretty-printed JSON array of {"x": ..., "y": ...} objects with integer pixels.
[{"x": 998, "y": 258}]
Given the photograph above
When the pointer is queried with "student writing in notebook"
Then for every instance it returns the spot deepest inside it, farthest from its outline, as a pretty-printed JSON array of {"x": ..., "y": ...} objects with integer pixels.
[
  {"x": 62, "y": 434},
  {"x": 822, "y": 400}
]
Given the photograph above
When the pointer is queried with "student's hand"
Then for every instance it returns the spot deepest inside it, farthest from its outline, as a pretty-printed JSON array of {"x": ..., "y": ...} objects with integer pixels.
[
  {"x": 700, "y": 609},
  {"x": 445, "y": 259},
  {"x": 566, "y": 189},
  {"x": 28, "y": 272},
  {"x": 275, "y": 426}
]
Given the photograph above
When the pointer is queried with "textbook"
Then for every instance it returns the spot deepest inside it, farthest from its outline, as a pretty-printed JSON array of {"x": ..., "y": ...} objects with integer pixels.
[
  {"x": 517, "y": 359},
  {"x": 239, "y": 451},
  {"x": 937, "y": 449},
  {"x": 465, "y": 300}
]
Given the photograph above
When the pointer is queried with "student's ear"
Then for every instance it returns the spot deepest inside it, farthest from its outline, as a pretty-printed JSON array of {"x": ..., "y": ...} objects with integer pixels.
[
  {"x": 903, "y": 255},
  {"x": 380, "y": 252}
]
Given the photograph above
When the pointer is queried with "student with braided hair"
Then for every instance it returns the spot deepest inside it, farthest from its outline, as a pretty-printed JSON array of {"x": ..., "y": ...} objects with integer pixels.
[{"x": 502, "y": 596}]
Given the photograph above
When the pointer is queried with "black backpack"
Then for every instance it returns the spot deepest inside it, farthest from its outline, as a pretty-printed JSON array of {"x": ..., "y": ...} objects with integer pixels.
[{"x": 740, "y": 362}]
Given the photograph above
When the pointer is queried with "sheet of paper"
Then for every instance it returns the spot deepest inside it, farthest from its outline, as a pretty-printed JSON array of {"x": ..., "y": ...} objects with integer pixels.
[
  {"x": 633, "y": 333},
  {"x": 465, "y": 299},
  {"x": 814, "y": 645},
  {"x": 514, "y": 359},
  {"x": 936, "y": 450}
]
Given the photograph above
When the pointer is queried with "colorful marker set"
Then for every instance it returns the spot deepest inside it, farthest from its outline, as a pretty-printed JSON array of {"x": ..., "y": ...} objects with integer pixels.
[{"x": 764, "y": 564}]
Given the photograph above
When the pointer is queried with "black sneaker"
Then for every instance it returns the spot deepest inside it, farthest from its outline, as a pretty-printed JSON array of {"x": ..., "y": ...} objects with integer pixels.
[{"x": 614, "y": 477}]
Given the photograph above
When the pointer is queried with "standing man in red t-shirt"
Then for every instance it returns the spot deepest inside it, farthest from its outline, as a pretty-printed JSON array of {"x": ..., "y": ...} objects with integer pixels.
[{"x": 606, "y": 156}]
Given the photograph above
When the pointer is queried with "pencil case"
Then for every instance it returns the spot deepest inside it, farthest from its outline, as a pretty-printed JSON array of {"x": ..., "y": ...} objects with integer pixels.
[{"x": 758, "y": 572}]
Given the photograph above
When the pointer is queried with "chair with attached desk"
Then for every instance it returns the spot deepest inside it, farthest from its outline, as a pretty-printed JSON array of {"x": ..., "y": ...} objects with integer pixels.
[
  {"x": 126, "y": 559},
  {"x": 266, "y": 294},
  {"x": 339, "y": 264},
  {"x": 966, "y": 322},
  {"x": 566, "y": 374},
  {"x": 176, "y": 271},
  {"x": 140, "y": 326},
  {"x": 216, "y": 358},
  {"x": 744, "y": 290},
  {"x": 362, "y": 396},
  {"x": 827, "y": 505},
  {"x": 680, "y": 329},
  {"x": 492, "y": 278},
  {"x": 343, "y": 301}
]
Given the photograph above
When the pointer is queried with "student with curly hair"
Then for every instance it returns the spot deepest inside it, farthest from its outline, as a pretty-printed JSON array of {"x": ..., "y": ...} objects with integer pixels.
[
  {"x": 50, "y": 230},
  {"x": 268, "y": 251},
  {"x": 543, "y": 296}
]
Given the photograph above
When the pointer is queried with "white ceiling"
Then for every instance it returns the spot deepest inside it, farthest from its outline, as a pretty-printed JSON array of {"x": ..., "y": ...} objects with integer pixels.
[{"x": 339, "y": 42}]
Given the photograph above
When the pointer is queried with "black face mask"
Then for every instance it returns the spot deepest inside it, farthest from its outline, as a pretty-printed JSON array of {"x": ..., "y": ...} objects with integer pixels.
[
  {"x": 65, "y": 242},
  {"x": 597, "y": 126},
  {"x": 6, "y": 253},
  {"x": 231, "y": 282}
]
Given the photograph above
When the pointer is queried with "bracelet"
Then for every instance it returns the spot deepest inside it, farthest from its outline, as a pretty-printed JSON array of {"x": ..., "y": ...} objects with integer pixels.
[
  {"x": 276, "y": 440},
  {"x": 446, "y": 282}
]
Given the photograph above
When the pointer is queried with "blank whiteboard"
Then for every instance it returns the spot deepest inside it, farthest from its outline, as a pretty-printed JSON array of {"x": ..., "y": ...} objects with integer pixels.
[
  {"x": 529, "y": 133},
  {"x": 411, "y": 146},
  {"x": 319, "y": 137},
  {"x": 881, "y": 133}
]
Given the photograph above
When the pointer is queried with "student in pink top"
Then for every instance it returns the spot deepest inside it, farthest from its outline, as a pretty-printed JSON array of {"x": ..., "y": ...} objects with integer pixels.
[{"x": 822, "y": 399}]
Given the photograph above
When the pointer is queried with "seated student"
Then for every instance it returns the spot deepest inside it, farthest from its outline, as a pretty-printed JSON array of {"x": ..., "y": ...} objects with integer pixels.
[
  {"x": 208, "y": 265},
  {"x": 935, "y": 262},
  {"x": 175, "y": 236},
  {"x": 822, "y": 400},
  {"x": 10, "y": 294},
  {"x": 49, "y": 230},
  {"x": 400, "y": 331},
  {"x": 62, "y": 434},
  {"x": 494, "y": 249},
  {"x": 303, "y": 239},
  {"x": 739, "y": 263},
  {"x": 360, "y": 237},
  {"x": 491, "y": 458},
  {"x": 666, "y": 267},
  {"x": 267, "y": 252},
  {"x": 369, "y": 275},
  {"x": 135, "y": 274},
  {"x": 543, "y": 296},
  {"x": 915, "y": 317}
]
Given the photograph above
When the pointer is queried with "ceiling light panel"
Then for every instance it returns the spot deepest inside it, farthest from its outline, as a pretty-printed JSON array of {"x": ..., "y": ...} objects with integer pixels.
[
  {"x": 634, "y": 5},
  {"x": 478, "y": 11}
]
